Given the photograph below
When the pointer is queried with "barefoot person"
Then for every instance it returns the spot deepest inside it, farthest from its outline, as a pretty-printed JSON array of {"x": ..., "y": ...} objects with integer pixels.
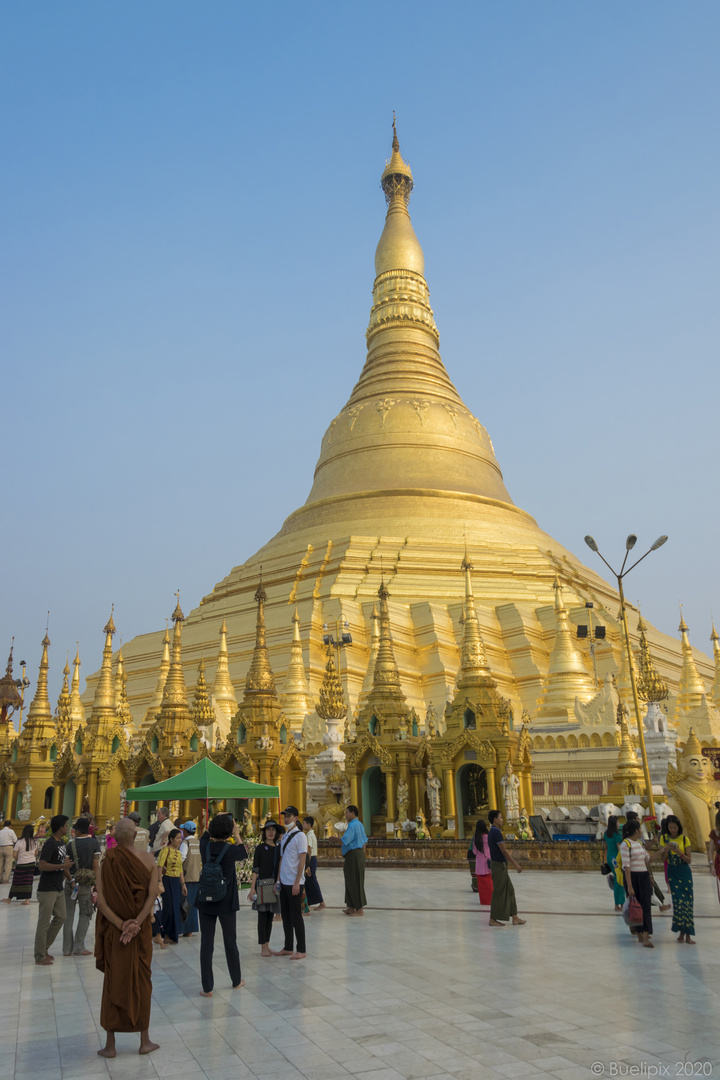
[
  {"x": 221, "y": 846},
  {"x": 354, "y": 840},
  {"x": 503, "y": 905},
  {"x": 127, "y": 884},
  {"x": 54, "y": 868}
]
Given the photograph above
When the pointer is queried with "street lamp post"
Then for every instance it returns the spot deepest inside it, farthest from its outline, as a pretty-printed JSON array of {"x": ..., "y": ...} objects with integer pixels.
[{"x": 629, "y": 545}]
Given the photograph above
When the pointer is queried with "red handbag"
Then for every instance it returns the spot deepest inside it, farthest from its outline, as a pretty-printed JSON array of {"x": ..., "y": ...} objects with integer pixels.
[{"x": 635, "y": 912}]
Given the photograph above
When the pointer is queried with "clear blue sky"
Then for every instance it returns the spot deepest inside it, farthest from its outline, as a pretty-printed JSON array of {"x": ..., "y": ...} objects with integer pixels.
[{"x": 190, "y": 202}]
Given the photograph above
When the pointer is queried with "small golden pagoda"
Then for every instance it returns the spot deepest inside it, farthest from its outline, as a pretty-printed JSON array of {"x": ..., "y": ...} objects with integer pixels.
[
  {"x": 627, "y": 781},
  {"x": 35, "y": 751},
  {"x": 10, "y": 702},
  {"x": 260, "y": 745}
]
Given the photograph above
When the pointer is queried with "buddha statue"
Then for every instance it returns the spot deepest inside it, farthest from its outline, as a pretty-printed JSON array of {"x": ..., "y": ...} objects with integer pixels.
[{"x": 693, "y": 792}]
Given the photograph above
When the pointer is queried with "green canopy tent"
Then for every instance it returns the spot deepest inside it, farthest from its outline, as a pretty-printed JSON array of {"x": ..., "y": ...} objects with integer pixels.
[{"x": 203, "y": 780}]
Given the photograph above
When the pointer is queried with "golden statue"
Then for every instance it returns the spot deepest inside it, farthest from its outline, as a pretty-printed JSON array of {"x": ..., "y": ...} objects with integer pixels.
[{"x": 693, "y": 792}]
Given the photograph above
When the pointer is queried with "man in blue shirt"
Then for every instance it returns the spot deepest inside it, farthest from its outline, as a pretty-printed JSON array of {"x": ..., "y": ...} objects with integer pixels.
[
  {"x": 503, "y": 905},
  {"x": 354, "y": 840}
]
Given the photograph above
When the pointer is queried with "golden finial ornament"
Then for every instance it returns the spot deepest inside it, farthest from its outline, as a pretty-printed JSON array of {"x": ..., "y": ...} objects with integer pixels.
[
  {"x": 331, "y": 705},
  {"x": 260, "y": 679},
  {"x": 650, "y": 686},
  {"x": 474, "y": 669},
  {"x": 201, "y": 709},
  {"x": 10, "y": 698}
]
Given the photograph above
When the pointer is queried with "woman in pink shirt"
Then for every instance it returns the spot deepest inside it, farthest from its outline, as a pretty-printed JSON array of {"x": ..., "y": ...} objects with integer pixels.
[{"x": 482, "y": 863}]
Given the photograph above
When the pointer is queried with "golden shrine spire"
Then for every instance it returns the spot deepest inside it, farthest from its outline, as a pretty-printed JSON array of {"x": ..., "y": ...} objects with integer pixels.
[
  {"x": 39, "y": 723},
  {"x": 175, "y": 690},
  {"x": 331, "y": 705},
  {"x": 260, "y": 678},
  {"x": 567, "y": 677},
  {"x": 201, "y": 710},
  {"x": 122, "y": 707},
  {"x": 174, "y": 720},
  {"x": 404, "y": 425},
  {"x": 162, "y": 677},
  {"x": 10, "y": 699},
  {"x": 650, "y": 686},
  {"x": 715, "y": 691},
  {"x": 77, "y": 709},
  {"x": 222, "y": 694},
  {"x": 692, "y": 689},
  {"x": 474, "y": 669},
  {"x": 294, "y": 697},
  {"x": 63, "y": 719},
  {"x": 386, "y": 675},
  {"x": 104, "y": 691}
]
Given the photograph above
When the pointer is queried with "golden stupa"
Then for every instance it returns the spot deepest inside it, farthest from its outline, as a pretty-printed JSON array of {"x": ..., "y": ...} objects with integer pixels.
[{"x": 406, "y": 489}]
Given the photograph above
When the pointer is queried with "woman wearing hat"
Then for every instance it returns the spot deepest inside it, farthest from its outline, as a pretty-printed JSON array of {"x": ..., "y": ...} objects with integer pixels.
[{"x": 265, "y": 871}]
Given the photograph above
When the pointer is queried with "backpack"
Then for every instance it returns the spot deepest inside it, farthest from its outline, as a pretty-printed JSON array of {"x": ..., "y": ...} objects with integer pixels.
[{"x": 212, "y": 886}]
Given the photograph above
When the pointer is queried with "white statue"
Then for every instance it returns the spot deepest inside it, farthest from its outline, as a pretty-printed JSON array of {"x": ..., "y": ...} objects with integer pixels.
[
  {"x": 403, "y": 799},
  {"x": 24, "y": 812},
  {"x": 433, "y": 794},
  {"x": 265, "y": 741},
  {"x": 510, "y": 784}
]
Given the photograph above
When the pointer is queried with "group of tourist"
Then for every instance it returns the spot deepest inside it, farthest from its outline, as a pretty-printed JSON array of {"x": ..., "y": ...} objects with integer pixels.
[
  {"x": 630, "y": 861},
  {"x": 167, "y": 891}
]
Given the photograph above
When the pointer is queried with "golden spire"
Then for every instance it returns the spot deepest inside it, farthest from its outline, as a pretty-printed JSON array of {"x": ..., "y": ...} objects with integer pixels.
[
  {"x": 386, "y": 675},
  {"x": 174, "y": 719},
  {"x": 332, "y": 703},
  {"x": 374, "y": 644},
  {"x": 567, "y": 677},
  {"x": 260, "y": 677},
  {"x": 474, "y": 669},
  {"x": 39, "y": 723},
  {"x": 650, "y": 686},
  {"x": 201, "y": 710},
  {"x": 10, "y": 699},
  {"x": 103, "y": 715},
  {"x": 175, "y": 690},
  {"x": 77, "y": 709},
  {"x": 405, "y": 423},
  {"x": 399, "y": 248},
  {"x": 692, "y": 689},
  {"x": 162, "y": 677},
  {"x": 63, "y": 719},
  {"x": 294, "y": 695},
  {"x": 104, "y": 697},
  {"x": 122, "y": 706},
  {"x": 715, "y": 691},
  {"x": 222, "y": 687},
  {"x": 628, "y": 774}
]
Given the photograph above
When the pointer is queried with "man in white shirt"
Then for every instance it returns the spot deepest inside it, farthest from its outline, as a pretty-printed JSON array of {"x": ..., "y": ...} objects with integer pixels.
[
  {"x": 293, "y": 852},
  {"x": 8, "y": 839},
  {"x": 166, "y": 826}
]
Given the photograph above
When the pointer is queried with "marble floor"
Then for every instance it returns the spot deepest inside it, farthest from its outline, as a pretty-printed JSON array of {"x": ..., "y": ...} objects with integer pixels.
[{"x": 421, "y": 988}]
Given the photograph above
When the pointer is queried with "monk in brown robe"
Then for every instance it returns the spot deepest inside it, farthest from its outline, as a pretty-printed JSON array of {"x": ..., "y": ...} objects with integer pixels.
[{"x": 127, "y": 884}]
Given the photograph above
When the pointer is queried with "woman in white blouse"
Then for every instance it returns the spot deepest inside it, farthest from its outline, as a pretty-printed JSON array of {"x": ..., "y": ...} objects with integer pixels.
[{"x": 637, "y": 880}]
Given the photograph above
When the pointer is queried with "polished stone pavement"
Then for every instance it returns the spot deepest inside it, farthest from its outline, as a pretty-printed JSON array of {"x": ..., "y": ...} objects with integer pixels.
[{"x": 421, "y": 988}]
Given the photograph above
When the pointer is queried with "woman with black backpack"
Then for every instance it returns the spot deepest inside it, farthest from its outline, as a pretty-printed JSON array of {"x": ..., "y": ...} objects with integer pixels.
[{"x": 217, "y": 897}]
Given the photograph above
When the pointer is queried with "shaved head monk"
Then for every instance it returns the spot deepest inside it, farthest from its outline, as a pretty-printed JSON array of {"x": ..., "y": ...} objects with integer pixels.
[{"x": 127, "y": 884}]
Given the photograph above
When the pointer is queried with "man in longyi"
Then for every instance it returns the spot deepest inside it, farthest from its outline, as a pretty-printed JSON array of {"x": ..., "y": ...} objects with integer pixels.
[{"x": 127, "y": 884}]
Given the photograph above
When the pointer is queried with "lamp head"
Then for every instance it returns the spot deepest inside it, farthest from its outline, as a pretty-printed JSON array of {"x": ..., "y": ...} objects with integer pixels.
[
  {"x": 658, "y": 543},
  {"x": 590, "y": 541},
  {"x": 630, "y": 542}
]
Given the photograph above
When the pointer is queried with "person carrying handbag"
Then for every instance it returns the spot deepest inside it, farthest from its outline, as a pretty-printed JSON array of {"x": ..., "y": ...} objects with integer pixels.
[
  {"x": 263, "y": 896},
  {"x": 637, "y": 881}
]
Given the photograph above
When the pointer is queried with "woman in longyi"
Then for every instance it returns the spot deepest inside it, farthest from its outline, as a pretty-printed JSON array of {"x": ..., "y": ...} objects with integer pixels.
[{"x": 127, "y": 884}]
